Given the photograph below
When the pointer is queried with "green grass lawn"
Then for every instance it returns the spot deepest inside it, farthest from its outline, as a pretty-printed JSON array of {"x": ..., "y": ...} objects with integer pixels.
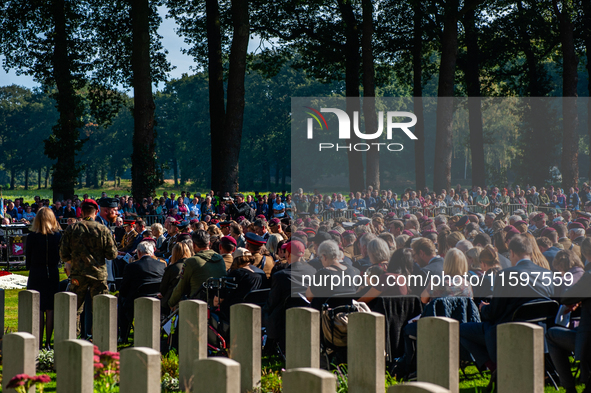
[
  {"x": 47, "y": 193},
  {"x": 470, "y": 382}
]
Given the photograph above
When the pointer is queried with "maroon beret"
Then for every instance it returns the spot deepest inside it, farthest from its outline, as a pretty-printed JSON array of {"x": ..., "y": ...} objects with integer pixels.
[
  {"x": 510, "y": 231},
  {"x": 228, "y": 240},
  {"x": 547, "y": 231},
  {"x": 575, "y": 225},
  {"x": 539, "y": 216}
]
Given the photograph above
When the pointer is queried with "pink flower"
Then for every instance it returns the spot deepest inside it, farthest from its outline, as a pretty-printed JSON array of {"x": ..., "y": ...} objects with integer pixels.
[
  {"x": 97, "y": 359},
  {"x": 41, "y": 378},
  {"x": 99, "y": 365},
  {"x": 96, "y": 351},
  {"x": 17, "y": 380}
]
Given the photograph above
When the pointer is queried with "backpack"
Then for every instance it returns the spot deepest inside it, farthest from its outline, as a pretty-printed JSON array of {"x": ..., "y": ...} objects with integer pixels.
[{"x": 335, "y": 322}]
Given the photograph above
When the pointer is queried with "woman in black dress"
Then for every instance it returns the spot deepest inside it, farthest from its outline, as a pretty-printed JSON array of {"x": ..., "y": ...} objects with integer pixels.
[
  {"x": 171, "y": 277},
  {"x": 42, "y": 259}
]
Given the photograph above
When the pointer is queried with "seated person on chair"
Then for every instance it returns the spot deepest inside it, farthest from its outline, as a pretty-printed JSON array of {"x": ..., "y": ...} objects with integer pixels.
[
  {"x": 140, "y": 278},
  {"x": 563, "y": 342},
  {"x": 480, "y": 338},
  {"x": 285, "y": 286},
  {"x": 246, "y": 276},
  {"x": 204, "y": 264}
]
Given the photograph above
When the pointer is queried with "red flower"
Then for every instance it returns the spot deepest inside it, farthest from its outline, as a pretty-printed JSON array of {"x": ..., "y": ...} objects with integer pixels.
[
  {"x": 17, "y": 380},
  {"x": 41, "y": 378}
]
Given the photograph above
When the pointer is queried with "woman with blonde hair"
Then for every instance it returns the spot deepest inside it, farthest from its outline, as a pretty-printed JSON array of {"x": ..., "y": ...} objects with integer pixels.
[
  {"x": 537, "y": 257},
  {"x": 401, "y": 241},
  {"x": 455, "y": 281},
  {"x": 453, "y": 239},
  {"x": 42, "y": 259},
  {"x": 171, "y": 276},
  {"x": 473, "y": 256}
]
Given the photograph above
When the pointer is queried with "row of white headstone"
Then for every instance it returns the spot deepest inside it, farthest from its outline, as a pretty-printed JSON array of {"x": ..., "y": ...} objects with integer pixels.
[{"x": 520, "y": 350}]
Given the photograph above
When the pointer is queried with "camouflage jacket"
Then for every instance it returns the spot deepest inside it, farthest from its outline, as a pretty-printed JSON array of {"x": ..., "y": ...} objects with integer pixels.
[{"x": 86, "y": 245}]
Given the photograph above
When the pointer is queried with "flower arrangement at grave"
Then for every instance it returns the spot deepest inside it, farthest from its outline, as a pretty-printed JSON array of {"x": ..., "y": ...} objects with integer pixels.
[
  {"x": 23, "y": 382},
  {"x": 106, "y": 371}
]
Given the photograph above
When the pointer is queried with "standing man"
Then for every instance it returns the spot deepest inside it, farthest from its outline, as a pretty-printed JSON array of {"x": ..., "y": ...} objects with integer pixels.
[
  {"x": 108, "y": 211},
  {"x": 238, "y": 208},
  {"x": 86, "y": 245}
]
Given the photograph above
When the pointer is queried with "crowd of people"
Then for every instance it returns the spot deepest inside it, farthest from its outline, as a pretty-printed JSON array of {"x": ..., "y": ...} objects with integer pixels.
[
  {"x": 264, "y": 244},
  {"x": 207, "y": 206}
]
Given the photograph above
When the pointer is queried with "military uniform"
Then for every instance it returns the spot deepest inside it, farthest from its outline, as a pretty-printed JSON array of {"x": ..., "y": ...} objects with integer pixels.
[
  {"x": 268, "y": 264},
  {"x": 128, "y": 239},
  {"x": 86, "y": 245}
]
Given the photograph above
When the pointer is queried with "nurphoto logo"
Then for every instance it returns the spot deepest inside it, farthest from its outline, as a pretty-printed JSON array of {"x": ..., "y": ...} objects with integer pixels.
[{"x": 345, "y": 129}]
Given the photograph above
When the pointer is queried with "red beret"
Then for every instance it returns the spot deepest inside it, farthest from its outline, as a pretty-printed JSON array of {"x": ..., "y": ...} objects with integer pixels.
[
  {"x": 229, "y": 240},
  {"x": 539, "y": 216},
  {"x": 90, "y": 202},
  {"x": 547, "y": 231},
  {"x": 510, "y": 231},
  {"x": 407, "y": 232},
  {"x": 296, "y": 248},
  {"x": 575, "y": 225}
]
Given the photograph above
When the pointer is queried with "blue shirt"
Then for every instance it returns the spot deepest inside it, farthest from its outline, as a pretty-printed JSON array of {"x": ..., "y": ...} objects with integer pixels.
[
  {"x": 279, "y": 206},
  {"x": 194, "y": 208},
  {"x": 339, "y": 205}
]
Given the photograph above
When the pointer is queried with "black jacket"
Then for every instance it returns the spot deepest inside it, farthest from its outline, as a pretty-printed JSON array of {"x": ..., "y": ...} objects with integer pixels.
[
  {"x": 141, "y": 278},
  {"x": 241, "y": 209},
  {"x": 507, "y": 298}
]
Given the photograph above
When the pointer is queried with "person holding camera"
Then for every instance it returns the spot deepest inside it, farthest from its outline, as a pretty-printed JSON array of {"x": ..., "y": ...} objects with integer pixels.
[{"x": 238, "y": 207}]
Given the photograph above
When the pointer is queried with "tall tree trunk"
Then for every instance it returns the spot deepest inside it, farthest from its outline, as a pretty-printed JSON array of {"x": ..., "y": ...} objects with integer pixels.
[
  {"x": 88, "y": 176},
  {"x": 530, "y": 57},
  {"x": 47, "y": 169},
  {"x": 372, "y": 157},
  {"x": 267, "y": 179},
  {"x": 445, "y": 101},
  {"x": 570, "y": 117},
  {"x": 352, "y": 65},
  {"x": 217, "y": 110},
  {"x": 227, "y": 176},
  {"x": 472, "y": 72},
  {"x": 12, "y": 178},
  {"x": 175, "y": 171},
  {"x": 27, "y": 172},
  {"x": 417, "y": 67},
  {"x": 39, "y": 178},
  {"x": 65, "y": 141},
  {"x": 95, "y": 177},
  {"x": 587, "y": 39},
  {"x": 144, "y": 174}
]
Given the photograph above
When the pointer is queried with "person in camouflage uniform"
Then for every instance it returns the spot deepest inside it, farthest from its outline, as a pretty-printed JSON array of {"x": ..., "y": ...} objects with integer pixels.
[{"x": 85, "y": 246}]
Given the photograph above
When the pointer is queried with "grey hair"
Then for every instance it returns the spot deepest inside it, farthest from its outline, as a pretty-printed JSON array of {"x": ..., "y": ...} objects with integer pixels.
[
  {"x": 272, "y": 242},
  {"x": 440, "y": 219},
  {"x": 366, "y": 239},
  {"x": 515, "y": 218},
  {"x": 157, "y": 227},
  {"x": 330, "y": 249},
  {"x": 578, "y": 231},
  {"x": 464, "y": 245},
  {"x": 146, "y": 248},
  {"x": 378, "y": 250}
]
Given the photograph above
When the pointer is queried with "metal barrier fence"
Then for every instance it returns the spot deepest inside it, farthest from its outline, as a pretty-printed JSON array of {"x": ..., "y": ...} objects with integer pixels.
[
  {"x": 149, "y": 220},
  {"x": 430, "y": 211}
]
